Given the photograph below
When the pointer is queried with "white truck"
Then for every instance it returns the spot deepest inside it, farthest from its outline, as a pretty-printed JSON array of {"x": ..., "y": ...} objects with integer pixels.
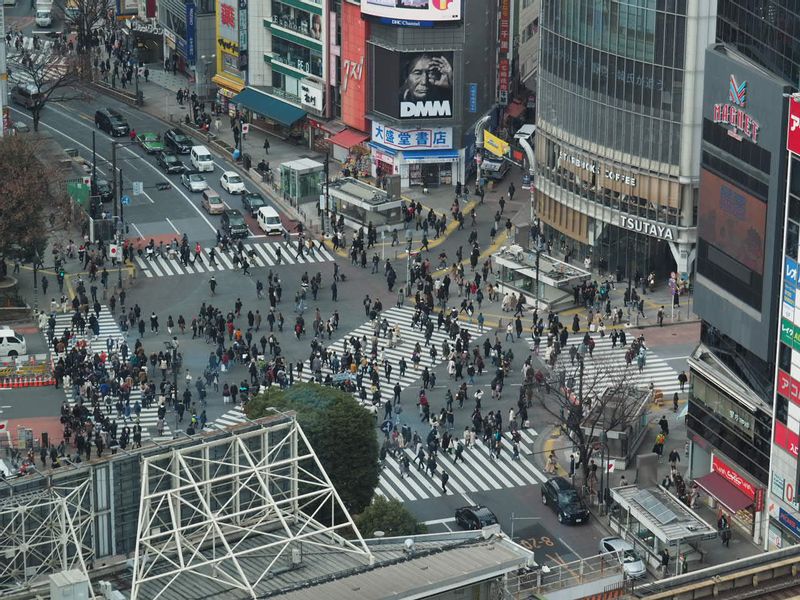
[{"x": 44, "y": 13}]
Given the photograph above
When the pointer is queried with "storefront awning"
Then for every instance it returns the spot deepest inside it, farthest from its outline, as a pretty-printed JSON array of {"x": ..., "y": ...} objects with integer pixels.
[
  {"x": 429, "y": 156},
  {"x": 269, "y": 107},
  {"x": 348, "y": 138},
  {"x": 727, "y": 495}
]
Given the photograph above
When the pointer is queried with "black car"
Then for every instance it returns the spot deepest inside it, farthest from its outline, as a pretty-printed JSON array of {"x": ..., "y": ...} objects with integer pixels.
[
  {"x": 110, "y": 121},
  {"x": 178, "y": 141},
  {"x": 474, "y": 517},
  {"x": 560, "y": 495},
  {"x": 233, "y": 223},
  {"x": 170, "y": 162},
  {"x": 102, "y": 188},
  {"x": 252, "y": 201}
]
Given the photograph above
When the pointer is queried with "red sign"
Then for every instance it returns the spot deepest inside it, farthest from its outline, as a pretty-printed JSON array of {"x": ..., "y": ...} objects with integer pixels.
[
  {"x": 786, "y": 439},
  {"x": 788, "y": 387},
  {"x": 793, "y": 135},
  {"x": 736, "y": 480},
  {"x": 227, "y": 15},
  {"x": 354, "y": 71},
  {"x": 502, "y": 70},
  {"x": 759, "y": 499},
  {"x": 505, "y": 25}
]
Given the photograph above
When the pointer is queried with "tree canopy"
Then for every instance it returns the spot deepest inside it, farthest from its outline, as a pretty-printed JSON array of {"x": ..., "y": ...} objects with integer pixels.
[
  {"x": 340, "y": 431},
  {"x": 24, "y": 198},
  {"x": 389, "y": 516}
]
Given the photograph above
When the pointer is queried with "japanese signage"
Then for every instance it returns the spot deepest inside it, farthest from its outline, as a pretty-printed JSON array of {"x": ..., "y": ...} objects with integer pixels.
[
  {"x": 502, "y": 71},
  {"x": 472, "y": 97},
  {"x": 789, "y": 521},
  {"x": 730, "y": 475},
  {"x": 494, "y": 144},
  {"x": 426, "y": 138},
  {"x": 505, "y": 25},
  {"x": 785, "y": 438},
  {"x": 228, "y": 21},
  {"x": 433, "y": 138},
  {"x": 734, "y": 114},
  {"x": 784, "y": 489},
  {"x": 646, "y": 227},
  {"x": 354, "y": 50},
  {"x": 191, "y": 32},
  {"x": 793, "y": 135},
  {"x": 414, "y": 10},
  {"x": 242, "y": 26},
  {"x": 311, "y": 95}
]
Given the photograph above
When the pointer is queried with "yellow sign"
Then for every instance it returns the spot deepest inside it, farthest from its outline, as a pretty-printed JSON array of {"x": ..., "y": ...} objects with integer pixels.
[{"x": 494, "y": 144}]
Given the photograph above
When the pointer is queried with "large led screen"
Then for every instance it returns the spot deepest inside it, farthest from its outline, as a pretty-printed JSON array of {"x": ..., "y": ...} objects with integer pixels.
[
  {"x": 732, "y": 220},
  {"x": 413, "y": 10}
]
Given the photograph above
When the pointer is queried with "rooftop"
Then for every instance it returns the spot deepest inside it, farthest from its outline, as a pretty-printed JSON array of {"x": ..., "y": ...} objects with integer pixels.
[{"x": 360, "y": 190}]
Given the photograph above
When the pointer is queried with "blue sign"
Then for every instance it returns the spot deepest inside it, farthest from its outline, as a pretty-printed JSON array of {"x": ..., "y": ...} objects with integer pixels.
[
  {"x": 125, "y": 200},
  {"x": 191, "y": 32},
  {"x": 405, "y": 22},
  {"x": 790, "y": 272},
  {"x": 473, "y": 97},
  {"x": 790, "y": 522}
]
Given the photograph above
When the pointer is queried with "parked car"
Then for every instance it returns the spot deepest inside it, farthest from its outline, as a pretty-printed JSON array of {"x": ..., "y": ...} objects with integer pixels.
[
  {"x": 560, "y": 495},
  {"x": 194, "y": 182},
  {"x": 110, "y": 121},
  {"x": 12, "y": 344},
  {"x": 632, "y": 563},
  {"x": 170, "y": 162},
  {"x": 252, "y": 201},
  {"x": 232, "y": 183},
  {"x": 177, "y": 140},
  {"x": 233, "y": 224},
  {"x": 474, "y": 517},
  {"x": 150, "y": 142}
]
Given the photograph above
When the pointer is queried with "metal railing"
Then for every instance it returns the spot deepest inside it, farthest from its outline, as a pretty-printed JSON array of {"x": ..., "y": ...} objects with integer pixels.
[{"x": 551, "y": 578}]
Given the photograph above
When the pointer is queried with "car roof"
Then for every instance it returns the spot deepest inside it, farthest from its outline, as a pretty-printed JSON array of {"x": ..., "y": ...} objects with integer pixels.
[
  {"x": 617, "y": 543},
  {"x": 230, "y": 173},
  {"x": 561, "y": 483},
  {"x": 233, "y": 212}
]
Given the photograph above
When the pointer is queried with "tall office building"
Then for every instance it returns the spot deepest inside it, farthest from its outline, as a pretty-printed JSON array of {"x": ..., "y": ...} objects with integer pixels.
[
  {"x": 618, "y": 120},
  {"x": 741, "y": 430}
]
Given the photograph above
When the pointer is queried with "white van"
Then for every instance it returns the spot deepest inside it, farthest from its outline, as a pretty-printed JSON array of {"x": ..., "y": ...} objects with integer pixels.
[
  {"x": 269, "y": 221},
  {"x": 12, "y": 344},
  {"x": 201, "y": 159},
  {"x": 527, "y": 133}
]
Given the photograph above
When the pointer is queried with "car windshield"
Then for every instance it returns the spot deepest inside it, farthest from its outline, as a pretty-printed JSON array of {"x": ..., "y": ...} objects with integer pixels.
[
  {"x": 116, "y": 121},
  {"x": 568, "y": 497},
  {"x": 236, "y": 219},
  {"x": 180, "y": 138},
  {"x": 196, "y": 178},
  {"x": 256, "y": 200},
  {"x": 234, "y": 179},
  {"x": 630, "y": 556},
  {"x": 214, "y": 200},
  {"x": 103, "y": 185}
]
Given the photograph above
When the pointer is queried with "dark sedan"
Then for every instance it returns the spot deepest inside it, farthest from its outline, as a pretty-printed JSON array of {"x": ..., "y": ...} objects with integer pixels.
[
  {"x": 170, "y": 162},
  {"x": 252, "y": 201},
  {"x": 474, "y": 517},
  {"x": 178, "y": 141},
  {"x": 560, "y": 495}
]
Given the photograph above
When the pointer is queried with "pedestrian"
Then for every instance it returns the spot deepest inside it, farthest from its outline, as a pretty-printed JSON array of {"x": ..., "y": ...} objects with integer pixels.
[
  {"x": 664, "y": 561},
  {"x": 445, "y": 479},
  {"x": 213, "y": 285},
  {"x": 674, "y": 458},
  {"x": 684, "y": 565},
  {"x": 266, "y": 145},
  {"x": 660, "y": 317},
  {"x": 682, "y": 379}
]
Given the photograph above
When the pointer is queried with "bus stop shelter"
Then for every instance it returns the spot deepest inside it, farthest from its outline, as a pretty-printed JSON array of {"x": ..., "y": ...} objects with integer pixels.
[{"x": 653, "y": 519}]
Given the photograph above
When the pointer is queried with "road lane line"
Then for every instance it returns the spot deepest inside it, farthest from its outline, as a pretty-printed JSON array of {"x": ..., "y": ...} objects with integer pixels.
[
  {"x": 173, "y": 226},
  {"x": 137, "y": 230}
]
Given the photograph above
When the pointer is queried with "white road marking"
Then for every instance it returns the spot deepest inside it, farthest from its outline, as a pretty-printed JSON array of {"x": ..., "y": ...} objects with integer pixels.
[{"x": 173, "y": 226}]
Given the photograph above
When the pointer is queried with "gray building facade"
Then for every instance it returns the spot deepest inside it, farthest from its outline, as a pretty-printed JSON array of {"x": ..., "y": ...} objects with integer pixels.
[{"x": 618, "y": 135}]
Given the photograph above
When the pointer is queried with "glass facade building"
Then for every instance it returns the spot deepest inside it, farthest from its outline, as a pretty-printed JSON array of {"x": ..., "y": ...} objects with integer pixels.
[{"x": 617, "y": 131}]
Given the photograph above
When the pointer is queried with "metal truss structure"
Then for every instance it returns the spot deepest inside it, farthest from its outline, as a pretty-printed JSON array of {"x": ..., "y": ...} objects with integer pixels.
[
  {"x": 234, "y": 511},
  {"x": 43, "y": 533}
]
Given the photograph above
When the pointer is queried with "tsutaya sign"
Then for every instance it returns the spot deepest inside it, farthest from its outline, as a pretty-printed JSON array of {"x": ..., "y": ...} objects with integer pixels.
[
  {"x": 647, "y": 228},
  {"x": 741, "y": 124}
]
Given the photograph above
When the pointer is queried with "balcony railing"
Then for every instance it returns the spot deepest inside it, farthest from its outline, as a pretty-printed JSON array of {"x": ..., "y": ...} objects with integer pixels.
[{"x": 299, "y": 63}]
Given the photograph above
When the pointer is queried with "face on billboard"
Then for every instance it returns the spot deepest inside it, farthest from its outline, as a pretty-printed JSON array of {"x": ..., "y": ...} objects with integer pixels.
[
  {"x": 414, "y": 85},
  {"x": 419, "y": 10}
]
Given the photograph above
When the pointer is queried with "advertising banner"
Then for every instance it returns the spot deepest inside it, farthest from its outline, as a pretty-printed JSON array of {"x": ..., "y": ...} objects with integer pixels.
[
  {"x": 353, "y": 59},
  {"x": 505, "y": 25},
  {"x": 494, "y": 144},
  {"x": 414, "y": 85},
  {"x": 793, "y": 135},
  {"x": 502, "y": 75},
  {"x": 732, "y": 477},
  {"x": 430, "y": 138},
  {"x": 413, "y": 10},
  {"x": 191, "y": 32},
  {"x": 785, "y": 438}
]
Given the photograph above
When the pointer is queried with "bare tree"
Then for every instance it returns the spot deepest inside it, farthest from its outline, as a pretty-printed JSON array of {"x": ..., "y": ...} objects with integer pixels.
[
  {"x": 51, "y": 74},
  {"x": 593, "y": 396},
  {"x": 85, "y": 17}
]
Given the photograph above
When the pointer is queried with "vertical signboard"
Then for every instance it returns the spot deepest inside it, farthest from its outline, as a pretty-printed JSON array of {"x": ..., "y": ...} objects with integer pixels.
[
  {"x": 353, "y": 58},
  {"x": 472, "y": 96},
  {"x": 243, "y": 36},
  {"x": 505, "y": 26},
  {"x": 793, "y": 134},
  {"x": 191, "y": 32},
  {"x": 503, "y": 46}
]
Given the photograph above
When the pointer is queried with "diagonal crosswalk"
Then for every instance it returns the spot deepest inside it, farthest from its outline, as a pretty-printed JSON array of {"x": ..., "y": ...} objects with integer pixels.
[
  {"x": 109, "y": 328},
  {"x": 51, "y": 66},
  {"x": 606, "y": 360},
  {"x": 259, "y": 255}
]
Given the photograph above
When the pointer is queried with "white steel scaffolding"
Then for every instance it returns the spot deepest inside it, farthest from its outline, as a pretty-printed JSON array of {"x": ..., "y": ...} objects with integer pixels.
[{"x": 235, "y": 511}]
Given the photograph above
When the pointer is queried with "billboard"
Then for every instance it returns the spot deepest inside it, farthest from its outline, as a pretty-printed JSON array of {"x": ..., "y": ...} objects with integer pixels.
[
  {"x": 793, "y": 135},
  {"x": 414, "y": 85},
  {"x": 419, "y": 138},
  {"x": 415, "y": 10},
  {"x": 732, "y": 220},
  {"x": 353, "y": 58}
]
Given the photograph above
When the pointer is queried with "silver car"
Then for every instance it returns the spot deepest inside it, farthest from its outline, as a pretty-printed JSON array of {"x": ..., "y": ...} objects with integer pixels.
[
  {"x": 194, "y": 182},
  {"x": 632, "y": 563}
]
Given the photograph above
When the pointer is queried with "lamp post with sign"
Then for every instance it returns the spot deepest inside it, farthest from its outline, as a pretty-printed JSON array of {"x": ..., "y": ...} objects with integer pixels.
[{"x": 480, "y": 124}]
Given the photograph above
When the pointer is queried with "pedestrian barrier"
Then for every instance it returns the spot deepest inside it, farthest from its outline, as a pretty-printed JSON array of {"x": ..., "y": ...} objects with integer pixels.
[{"x": 33, "y": 370}]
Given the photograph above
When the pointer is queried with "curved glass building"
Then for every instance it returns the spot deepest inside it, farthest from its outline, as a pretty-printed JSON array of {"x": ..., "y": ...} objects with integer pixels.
[{"x": 619, "y": 120}]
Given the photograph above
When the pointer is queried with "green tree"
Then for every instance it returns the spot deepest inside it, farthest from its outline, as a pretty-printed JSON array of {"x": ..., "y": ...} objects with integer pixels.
[
  {"x": 341, "y": 433},
  {"x": 25, "y": 198},
  {"x": 389, "y": 516}
]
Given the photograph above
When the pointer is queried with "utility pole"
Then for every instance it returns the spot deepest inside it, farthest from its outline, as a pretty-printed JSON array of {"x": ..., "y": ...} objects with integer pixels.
[
  {"x": 114, "y": 190},
  {"x": 120, "y": 234},
  {"x": 324, "y": 210}
]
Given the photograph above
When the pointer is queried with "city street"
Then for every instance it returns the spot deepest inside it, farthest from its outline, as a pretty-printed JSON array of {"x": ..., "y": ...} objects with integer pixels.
[{"x": 169, "y": 289}]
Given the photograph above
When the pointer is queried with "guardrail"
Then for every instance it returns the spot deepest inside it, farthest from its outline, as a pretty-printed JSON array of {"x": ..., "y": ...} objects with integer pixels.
[
  {"x": 32, "y": 370},
  {"x": 578, "y": 579}
]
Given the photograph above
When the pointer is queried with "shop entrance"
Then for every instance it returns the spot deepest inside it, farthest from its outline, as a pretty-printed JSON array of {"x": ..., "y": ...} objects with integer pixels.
[
  {"x": 430, "y": 175},
  {"x": 628, "y": 253}
]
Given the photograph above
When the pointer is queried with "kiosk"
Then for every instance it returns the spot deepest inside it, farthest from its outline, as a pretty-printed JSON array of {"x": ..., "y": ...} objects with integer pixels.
[{"x": 361, "y": 204}]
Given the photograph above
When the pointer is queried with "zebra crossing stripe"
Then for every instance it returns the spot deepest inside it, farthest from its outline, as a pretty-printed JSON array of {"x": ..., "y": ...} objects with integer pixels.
[{"x": 259, "y": 248}]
